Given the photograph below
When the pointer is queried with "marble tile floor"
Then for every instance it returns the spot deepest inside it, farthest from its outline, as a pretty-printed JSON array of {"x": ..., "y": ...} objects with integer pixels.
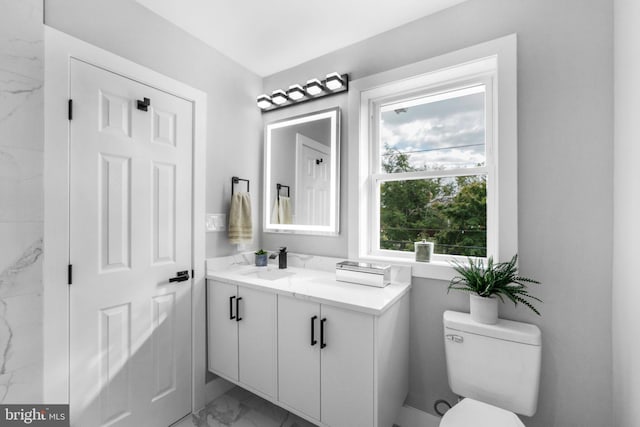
[{"x": 240, "y": 408}]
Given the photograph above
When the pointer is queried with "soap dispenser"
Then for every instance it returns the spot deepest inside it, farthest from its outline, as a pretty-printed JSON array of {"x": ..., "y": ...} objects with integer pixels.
[{"x": 282, "y": 257}]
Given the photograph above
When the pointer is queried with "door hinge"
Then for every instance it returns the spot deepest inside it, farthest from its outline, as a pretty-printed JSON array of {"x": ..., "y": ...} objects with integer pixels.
[
  {"x": 70, "y": 110},
  {"x": 193, "y": 273},
  {"x": 69, "y": 274}
]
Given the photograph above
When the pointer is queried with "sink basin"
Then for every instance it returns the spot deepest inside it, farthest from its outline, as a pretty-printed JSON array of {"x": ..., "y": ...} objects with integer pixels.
[{"x": 269, "y": 273}]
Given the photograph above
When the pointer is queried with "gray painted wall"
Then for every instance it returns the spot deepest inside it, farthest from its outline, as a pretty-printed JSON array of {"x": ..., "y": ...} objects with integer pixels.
[
  {"x": 626, "y": 292},
  {"x": 565, "y": 170},
  {"x": 233, "y": 123}
]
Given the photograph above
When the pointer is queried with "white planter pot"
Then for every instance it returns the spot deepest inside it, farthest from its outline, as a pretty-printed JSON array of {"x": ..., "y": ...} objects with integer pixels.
[{"x": 483, "y": 309}]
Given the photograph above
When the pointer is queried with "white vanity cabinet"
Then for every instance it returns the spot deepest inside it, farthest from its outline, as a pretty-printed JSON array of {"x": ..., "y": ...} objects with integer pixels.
[
  {"x": 242, "y": 335},
  {"x": 334, "y": 353},
  {"x": 325, "y": 362}
]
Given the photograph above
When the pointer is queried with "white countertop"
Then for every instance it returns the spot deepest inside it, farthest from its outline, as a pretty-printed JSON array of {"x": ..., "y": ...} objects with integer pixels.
[{"x": 315, "y": 285}]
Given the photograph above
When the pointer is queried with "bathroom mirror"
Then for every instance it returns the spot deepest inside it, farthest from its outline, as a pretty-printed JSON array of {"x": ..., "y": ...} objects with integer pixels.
[{"x": 301, "y": 174}]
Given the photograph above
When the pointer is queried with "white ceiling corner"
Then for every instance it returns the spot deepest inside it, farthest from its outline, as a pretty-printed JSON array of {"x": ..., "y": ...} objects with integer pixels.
[{"x": 268, "y": 36}]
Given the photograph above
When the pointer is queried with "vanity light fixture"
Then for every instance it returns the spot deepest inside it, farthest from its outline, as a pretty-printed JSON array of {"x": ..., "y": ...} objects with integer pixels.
[
  {"x": 334, "y": 83},
  {"x": 279, "y": 97},
  {"x": 314, "y": 87},
  {"x": 264, "y": 101},
  {"x": 296, "y": 92}
]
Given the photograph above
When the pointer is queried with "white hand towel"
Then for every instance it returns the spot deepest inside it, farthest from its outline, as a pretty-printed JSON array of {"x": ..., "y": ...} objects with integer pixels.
[
  {"x": 275, "y": 213},
  {"x": 284, "y": 210},
  {"x": 281, "y": 213},
  {"x": 240, "y": 226}
]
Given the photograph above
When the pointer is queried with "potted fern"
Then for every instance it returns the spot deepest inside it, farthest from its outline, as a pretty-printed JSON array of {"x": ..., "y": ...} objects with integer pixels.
[{"x": 488, "y": 283}]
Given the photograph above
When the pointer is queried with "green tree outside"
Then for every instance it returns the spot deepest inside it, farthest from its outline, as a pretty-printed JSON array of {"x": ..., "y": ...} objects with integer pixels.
[{"x": 451, "y": 212}]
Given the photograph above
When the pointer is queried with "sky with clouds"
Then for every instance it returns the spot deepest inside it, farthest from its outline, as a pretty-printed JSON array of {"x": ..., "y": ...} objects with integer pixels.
[{"x": 441, "y": 133}]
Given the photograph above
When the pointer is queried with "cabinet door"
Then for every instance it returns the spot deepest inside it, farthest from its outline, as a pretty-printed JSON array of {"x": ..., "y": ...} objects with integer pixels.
[
  {"x": 223, "y": 329},
  {"x": 347, "y": 368},
  {"x": 298, "y": 355},
  {"x": 257, "y": 339}
]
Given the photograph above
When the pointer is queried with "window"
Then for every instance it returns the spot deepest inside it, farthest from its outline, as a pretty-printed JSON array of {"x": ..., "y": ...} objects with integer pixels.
[
  {"x": 430, "y": 171},
  {"x": 437, "y": 159}
]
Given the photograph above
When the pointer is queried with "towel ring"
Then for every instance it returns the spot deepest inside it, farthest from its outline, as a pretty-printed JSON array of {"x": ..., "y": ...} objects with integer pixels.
[
  {"x": 279, "y": 187},
  {"x": 236, "y": 180}
]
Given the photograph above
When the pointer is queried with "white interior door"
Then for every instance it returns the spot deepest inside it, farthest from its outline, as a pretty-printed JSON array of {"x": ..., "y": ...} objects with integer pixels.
[
  {"x": 130, "y": 232},
  {"x": 313, "y": 181}
]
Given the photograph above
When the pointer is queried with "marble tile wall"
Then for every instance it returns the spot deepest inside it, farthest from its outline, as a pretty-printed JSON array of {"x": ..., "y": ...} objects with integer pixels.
[{"x": 21, "y": 200}]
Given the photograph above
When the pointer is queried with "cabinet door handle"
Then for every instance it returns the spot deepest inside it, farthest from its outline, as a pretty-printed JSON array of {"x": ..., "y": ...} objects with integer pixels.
[
  {"x": 313, "y": 331},
  {"x": 231, "y": 316},
  {"x": 323, "y": 344},
  {"x": 238, "y": 318}
]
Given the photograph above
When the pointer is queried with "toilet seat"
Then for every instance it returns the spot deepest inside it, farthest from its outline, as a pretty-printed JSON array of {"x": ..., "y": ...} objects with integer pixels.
[{"x": 471, "y": 412}]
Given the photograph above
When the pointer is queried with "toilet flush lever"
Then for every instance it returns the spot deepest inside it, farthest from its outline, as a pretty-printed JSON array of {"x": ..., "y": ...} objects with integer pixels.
[{"x": 455, "y": 338}]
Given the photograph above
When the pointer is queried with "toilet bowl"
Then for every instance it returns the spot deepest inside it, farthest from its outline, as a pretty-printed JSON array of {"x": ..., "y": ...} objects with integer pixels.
[{"x": 472, "y": 413}]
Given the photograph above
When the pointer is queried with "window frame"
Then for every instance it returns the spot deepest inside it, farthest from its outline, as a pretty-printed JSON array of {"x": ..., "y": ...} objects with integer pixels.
[
  {"x": 376, "y": 176},
  {"x": 496, "y": 61}
]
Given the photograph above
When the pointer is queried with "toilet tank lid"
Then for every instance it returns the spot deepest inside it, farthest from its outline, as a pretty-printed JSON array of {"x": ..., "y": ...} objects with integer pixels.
[{"x": 508, "y": 330}]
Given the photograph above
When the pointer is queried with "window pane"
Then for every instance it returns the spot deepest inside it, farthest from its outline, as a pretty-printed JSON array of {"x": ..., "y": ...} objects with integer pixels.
[
  {"x": 451, "y": 212},
  {"x": 436, "y": 132}
]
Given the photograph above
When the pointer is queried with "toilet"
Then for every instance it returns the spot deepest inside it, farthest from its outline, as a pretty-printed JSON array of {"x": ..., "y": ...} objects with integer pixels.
[{"x": 494, "y": 368}]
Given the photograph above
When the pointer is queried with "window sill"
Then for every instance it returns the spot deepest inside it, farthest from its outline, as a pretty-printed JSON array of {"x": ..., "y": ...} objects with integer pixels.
[{"x": 438, "y": 270}]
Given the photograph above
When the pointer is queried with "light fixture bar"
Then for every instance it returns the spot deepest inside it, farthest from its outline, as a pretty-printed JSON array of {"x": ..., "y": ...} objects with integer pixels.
[{"x": 333, "y": 84}]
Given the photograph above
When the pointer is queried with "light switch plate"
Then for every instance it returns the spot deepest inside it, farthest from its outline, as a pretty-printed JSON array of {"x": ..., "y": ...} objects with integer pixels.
[{"x": 216, "y": 222}]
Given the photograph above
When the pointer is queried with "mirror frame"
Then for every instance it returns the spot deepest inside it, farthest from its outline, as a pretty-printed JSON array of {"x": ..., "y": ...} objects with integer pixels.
[{"x": 334, "y": 197}]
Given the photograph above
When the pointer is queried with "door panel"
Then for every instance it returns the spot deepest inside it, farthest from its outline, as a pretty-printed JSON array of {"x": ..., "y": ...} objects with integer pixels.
[
  {"x": 257, "y": 340},
  {"x": 298, "y": 359},
  {"x": 115, "y": 350},
  {"x": 130, "y": 232},
  {"x": 164, "y": 208},
  {"x": 163, "y": 344},
  {"x": 347, "y": 368},
  {"x": 223, "y": 329},
  {"x": 115, "y": 220}
]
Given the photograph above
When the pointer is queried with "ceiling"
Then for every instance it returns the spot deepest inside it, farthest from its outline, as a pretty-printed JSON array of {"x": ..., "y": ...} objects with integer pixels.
[{"x": 268, "y": 36}]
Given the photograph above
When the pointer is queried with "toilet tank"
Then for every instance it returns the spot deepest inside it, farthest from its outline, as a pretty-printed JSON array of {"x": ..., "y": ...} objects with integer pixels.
[{"x": 496, "y": 364}]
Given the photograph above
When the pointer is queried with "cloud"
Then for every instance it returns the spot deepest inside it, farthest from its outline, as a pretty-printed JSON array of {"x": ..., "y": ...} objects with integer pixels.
[{"x": 444, "y": 134}]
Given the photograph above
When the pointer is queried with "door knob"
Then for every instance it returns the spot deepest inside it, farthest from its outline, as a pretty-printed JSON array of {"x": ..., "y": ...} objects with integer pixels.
[{"x": 181, "y": 276}]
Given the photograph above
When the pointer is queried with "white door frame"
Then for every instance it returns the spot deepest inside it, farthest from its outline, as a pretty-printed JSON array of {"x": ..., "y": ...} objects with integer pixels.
[{"x": 59, "y": 49}]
